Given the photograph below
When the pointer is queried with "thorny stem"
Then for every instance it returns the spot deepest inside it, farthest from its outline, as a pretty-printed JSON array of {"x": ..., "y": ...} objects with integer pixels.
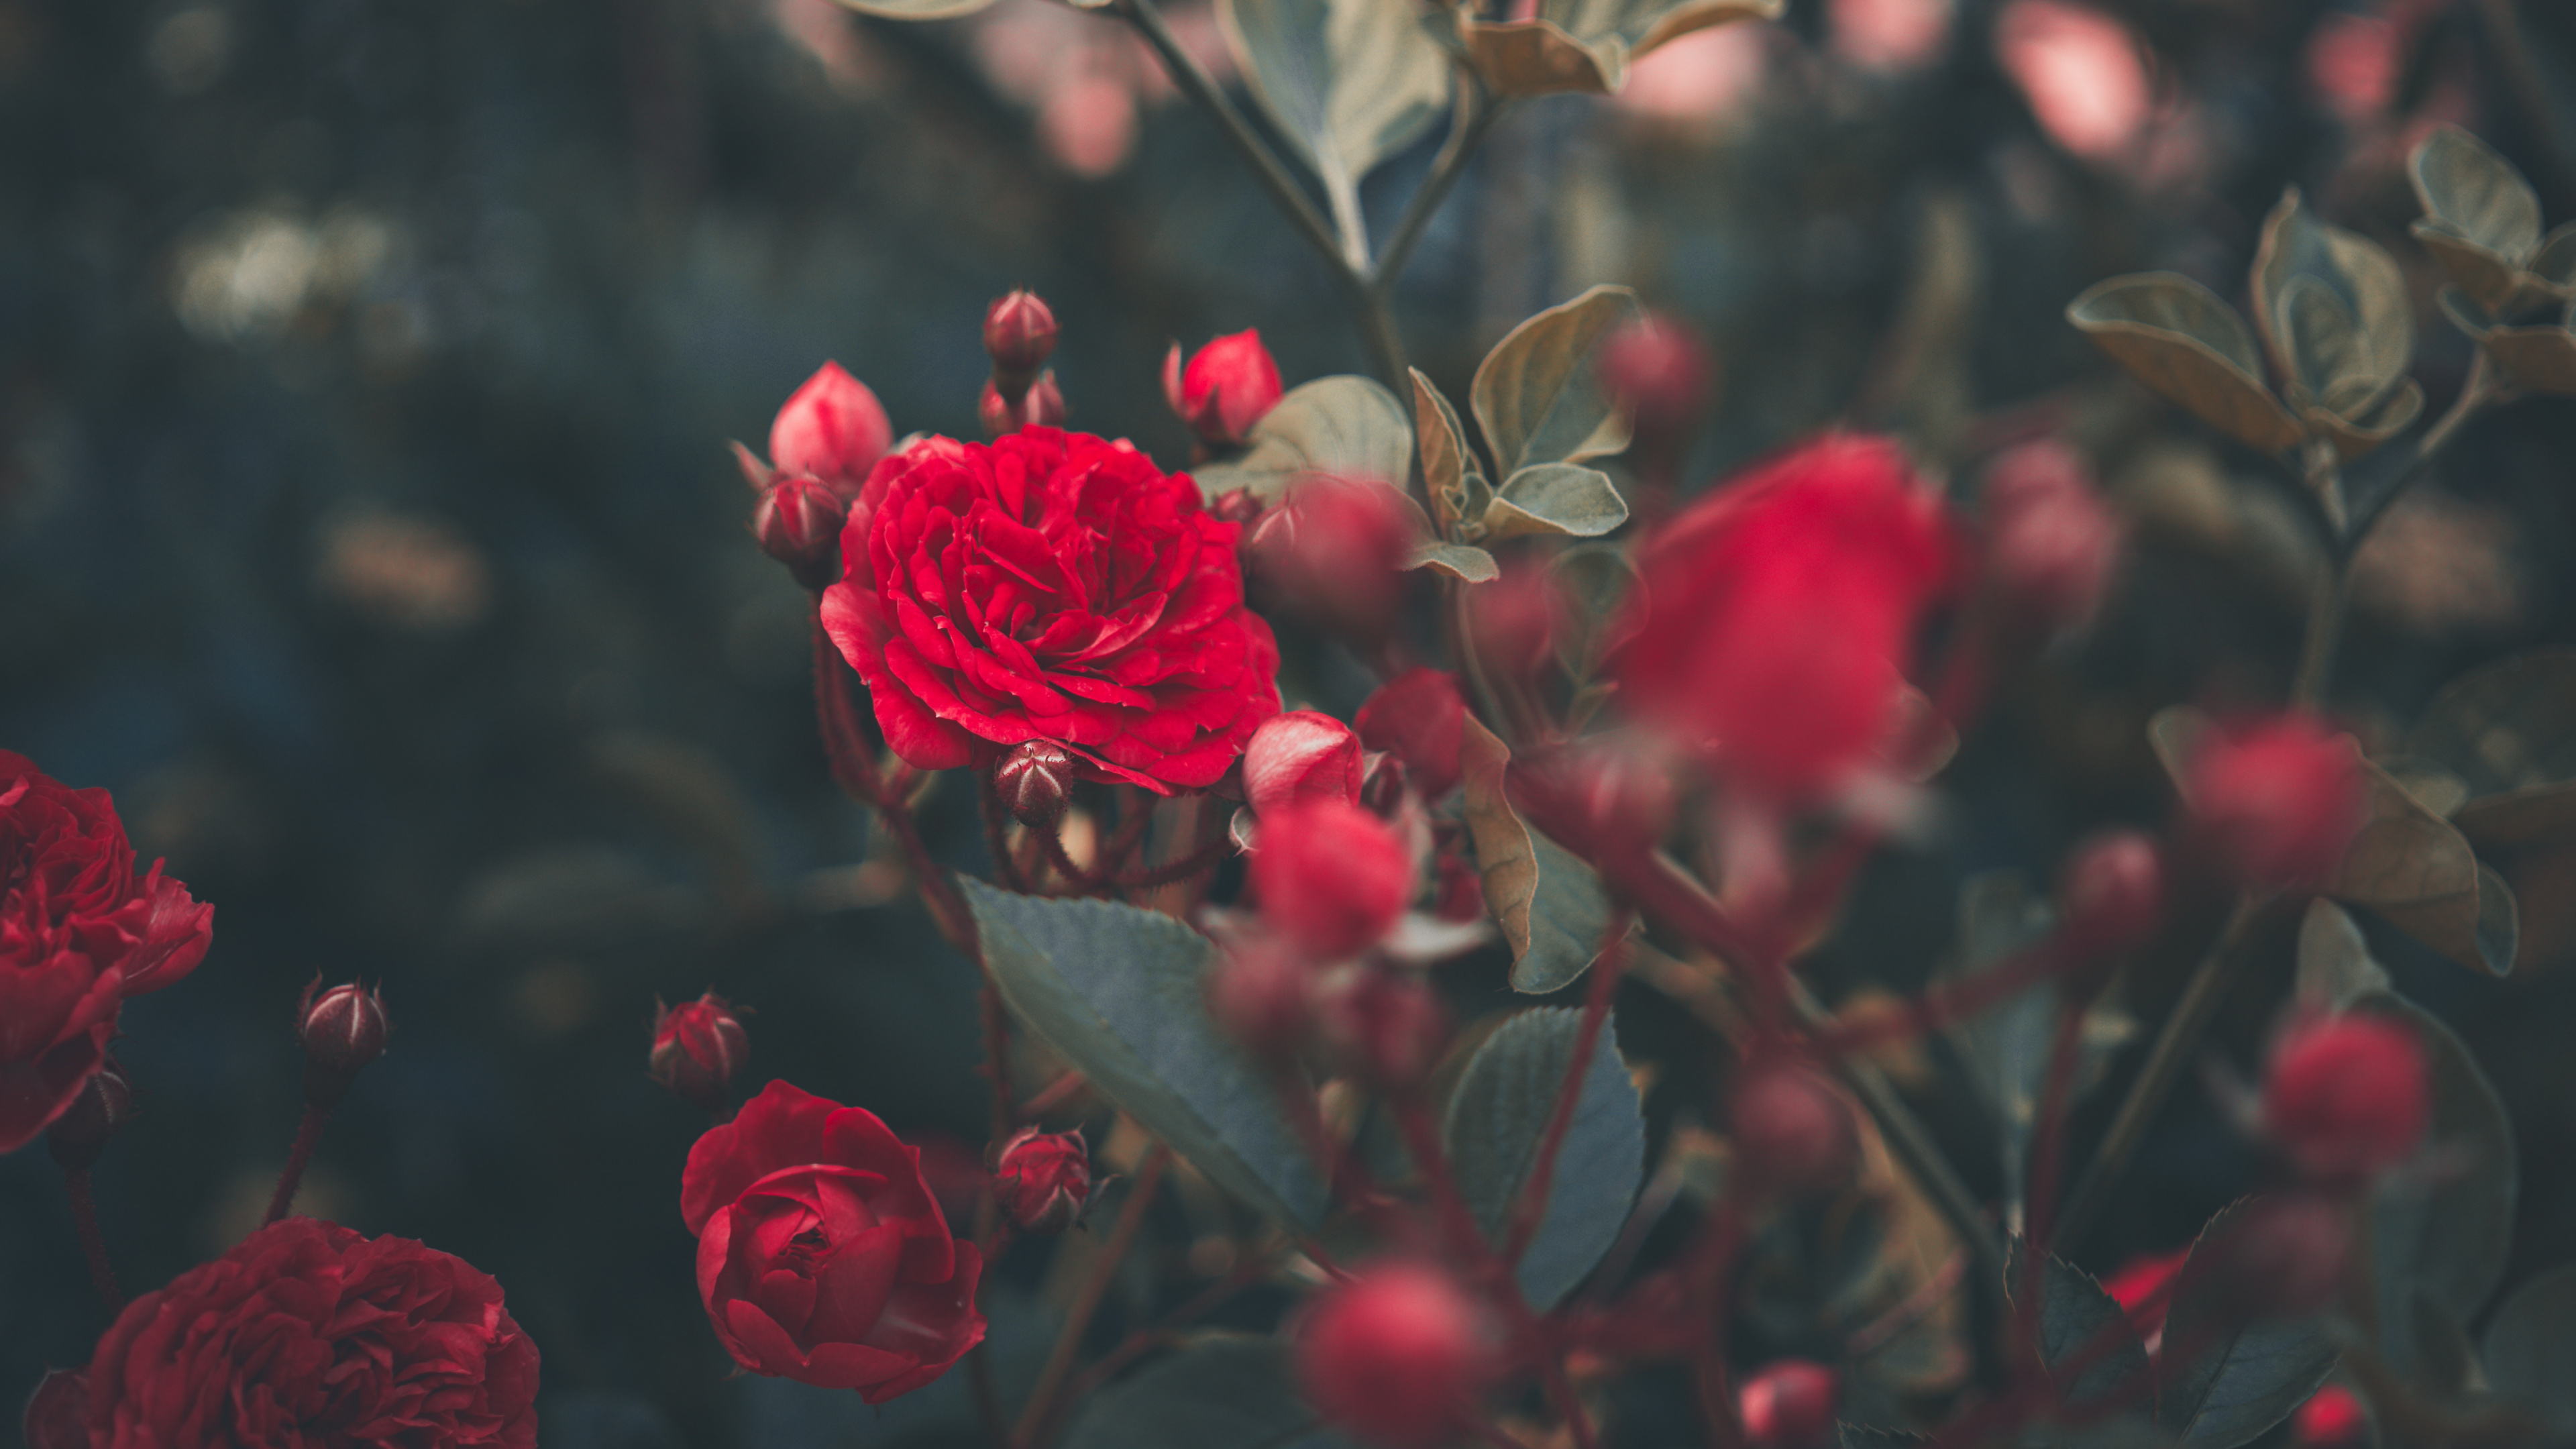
[
  {"x": 1531, "y": 1205},
  {"x": 308, "y": 1135},
  {"x": 102, "y": 1273},
  {"x": 1131, "y": 1219}
]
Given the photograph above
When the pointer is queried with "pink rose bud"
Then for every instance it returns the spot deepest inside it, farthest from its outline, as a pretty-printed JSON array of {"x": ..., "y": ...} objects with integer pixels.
[
  {"x": 1300, "y": 756},
  {"x": 342, "y": 1029},
  {"x": 1042, "y": 407},
  {"x": 1793, "y": 1135},
  {"x": 2052, "y": 540},
  {"x": 1225, "y": 389},
  {"x": 2278, "y": 801},
  {"x": 1389, "y": 1028},
  {"x": 1334, "y": 552},
  {"x": 697, "y": 1047},
  {"x": 1788, "y": 1405},
  {"x": 1043, "y": 1180},
  {"x": 1396, "y": 1355},
  {"x": 1660, "y": 371},
  {"x": 58, "y": 1414},
  {"x": 832, "y": 428},
  {"x": 1019, "y": 332},
  {"x": 2346, "y": 1097},
  {"x": 105, "y": 1102},
  {"x": 2113, "y": 896},
  {"x": 798, "y": 523},
  {"x": 2332, "y": 1418},
  {"x": 1259, "y": 996},
  {"x": 2281, "y": 1257},
  {"x": 1035, "y": 781},
  {"x": 1331, "y": 878},
  {"x": 1420, "y": 717}
]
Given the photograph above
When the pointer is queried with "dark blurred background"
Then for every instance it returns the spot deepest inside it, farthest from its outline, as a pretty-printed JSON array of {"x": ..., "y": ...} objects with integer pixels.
[{"x": 366, "y": 525}]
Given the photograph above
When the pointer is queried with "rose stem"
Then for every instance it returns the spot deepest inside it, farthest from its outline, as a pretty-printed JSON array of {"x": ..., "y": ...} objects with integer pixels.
[
  {"x": 1068, "y": 1342},
  {"x": 102, "y": 1274},
  {"x": 308, "y": 1135}
]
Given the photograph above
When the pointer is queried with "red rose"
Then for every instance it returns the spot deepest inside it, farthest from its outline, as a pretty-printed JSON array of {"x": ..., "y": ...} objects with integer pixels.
[
  {"x": 1780, "y": 613},
  {"x": 1051, "y": 586},
  {"x": 822, "y": 1256},
  {"x": 310, "y": 1335},
  {"x": 78, "y": 935}
]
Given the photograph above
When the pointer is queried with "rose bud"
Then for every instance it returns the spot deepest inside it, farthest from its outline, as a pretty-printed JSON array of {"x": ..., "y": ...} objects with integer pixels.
[
  {"x": 2332, "y": 1418},
  {"x": 1788, "y": 1405},
  {"x": 1019, "y": 332},
  {"x": 1420, "y": 717},
  {"x": 832, "y": 428},
  {"x": 2346, "y": 1097},
  {"x": 1793, "y": 1135},
  {"x": 1225, "y": 389},
  {"x": 2278, "y": 801},
  {"x": 79, "y": 1135},
  {"x": 1041, "y": 406},
  {"x": 1660, "y": 371},
  {"x": 1513, "y": 621},
  {"x": 1035, "y": 781},
  {"x": 343, "y": 1029},
  {"x": 1335, "y": 553},
  {"x": 697, "y": 1047},
  {"x": 1390, "y": 1029},
  {"x": 2280, "y": 1257},
  {"x": 58, "y": 1413},
  {"x": 1461, "y": 890},
  {"x": 2052, "y": 542},
  {"x": 798, "y": 523},
  {"x": 1259, "y": 996},
  {"x": 1300, "y": 756},
  {"x": 1396, "y": 1355},
  {"x": 1043, "y": 1180},
  {"x": 1331, "y": 878},
  {"x": 2112, "y": 894}
]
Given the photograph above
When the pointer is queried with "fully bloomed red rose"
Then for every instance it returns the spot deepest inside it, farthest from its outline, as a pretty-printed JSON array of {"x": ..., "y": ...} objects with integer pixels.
[
  {"x": 1778, "y": 615},
  {"x": 1051, "y": 586},
  {"x": 822, "y": 1256},
  {"x": 78, "y": 935},
  {"x": 308, "y": 1335}
]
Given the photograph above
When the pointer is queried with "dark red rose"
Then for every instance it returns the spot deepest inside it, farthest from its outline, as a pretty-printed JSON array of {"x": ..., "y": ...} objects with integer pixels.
[
  {"x": 1051, "y": 586},
  {"x": 1043, "y": 1180},
  {"x": 1230, "y": 385},
  {"x": 78, "y": 935},
  {"x": 822, "y": 1256},
  {"x": 310, "y": 1336}
]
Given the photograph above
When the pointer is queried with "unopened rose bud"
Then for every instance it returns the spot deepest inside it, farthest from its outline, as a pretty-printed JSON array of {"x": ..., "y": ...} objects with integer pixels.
[
  {"x": 1396, "y": 1355},
  {"x": 697, "y": 1047},
  {"x": 1238, "y": 506},
  {"x": 1035, "y": 781},
  {"x": 1331, "y": 878},
  {"x": 2278, "y": 801},
  {"x": 1043, "y": 1180},
  {"x": 2280, "y": 1257},
  {"x": 1334, "y": 552},
  {"x": 1512, "y": 622},
  {"x": 1019, "y": 333},
  {"x": 1041, "y": 406},
  {"x": 1260, "y": 996},
  {"x": 832, "y": 428},
  {"x": 798, "y": 523},
  {"x": 1793, "y": 1134},
  {"x": 1225, "y": 389},
  {"x": 1300, "y": 756},
  {"x": 2332, "y": 1418},
  {"x": 2111, "y": 896},
  {"x": 342, "y": 1029},
  {"x": 57, "y": 1414},
  {"x": 79, "y": 1135},
  {"x": 1420, "y": 717},
  {"x": 1660, "y": 371},
  {"x": 1388, "y": 1028},
  {"x": 2346, "y": 1097},
  {"x": 1789, "y": 1405},
  {"x": 2053, "y": 540}
]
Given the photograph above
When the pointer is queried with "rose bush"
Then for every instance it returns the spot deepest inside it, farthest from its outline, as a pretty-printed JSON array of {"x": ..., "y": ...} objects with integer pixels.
[
  {"x": 78, "y": 935},
  {"x": 822, "y": 1256},
  {"x": 1051, "y": 586},
  {"x": 308, "y": 1335}
]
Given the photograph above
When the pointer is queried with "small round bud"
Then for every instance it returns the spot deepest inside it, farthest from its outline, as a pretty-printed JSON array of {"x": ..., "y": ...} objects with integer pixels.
[
  {"x": 2278, "y": 801},
  {"x": 1793, "y": 1134},
  {"x": 2332, "y": 1418},
  {"x": 1332, "y": 879},
  {"x": 2345, "y": 1097},
  {"x": 1788, "y": 1405},
  {"x": 2281, "y": 1256},
  {"x": 105, "y": 1102},
  {"x": 1019, "y": 332},
  {"x": 1513, "y": 621},
  {"x": 2112, "y": 895},
  {"x": 1225, "y": 389},
  {"x": 1389, "y": 1029},
  {"x": 1420, "y": 717},
  {"x": 1334, "y": 553},
  {"x": 342, "y": 1029},
  {"x": 1259, "y": 995},
  {"x": 57, "y": 1414},
  {"x": 1660, "y": 371},
  {"x": 697, "y": 1047},
  {"x": 1396, "y": 1356},
  {"x": 1043, "y": 1180},
  {"x": 2053, "y": 541},
  {"x": 1300, "y": 756},
  {"x": 798, "y": 523},
  {"x": 1035, "y": 781}
]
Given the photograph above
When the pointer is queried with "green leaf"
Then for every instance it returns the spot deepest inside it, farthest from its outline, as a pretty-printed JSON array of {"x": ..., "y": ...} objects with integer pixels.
[
  {"x": 2442, "y": 1237},
  {"x": 1643, "y": 25},
  {"x": 1538, "y": 395},
  {"x": 2509, "y": 731},
  {"x": 1458, "y": 560},
  {"x": 2177, "y": 337},
  {"x": 2416, "y": 869},
  {"x": 2076, "y": 1318},
  {"x": 1346, "y": 426},
  {"x": 2531, "y": 1348},
  {"x": 1549, "y": 904},
  {"x": 1496, "y": 1118},
  {"x": 1225, "y": 1392},
  {"x": 2483, "y": 219},
  {"x": 2335, "y": 965},
  {"x": 1586, "y": 45},
  {"x": 2224, "y": 1380},
  {"x": 1447, "y": 461},
  {"x": 2334, "y": 309},
  {"x": 1121, "y": 994},
  {"x": 2542, "y": 359},
  {"x": 917, "y": 9},
  {"x": 1347, "y": 82},
  {"x": 1558, "y": 498}
]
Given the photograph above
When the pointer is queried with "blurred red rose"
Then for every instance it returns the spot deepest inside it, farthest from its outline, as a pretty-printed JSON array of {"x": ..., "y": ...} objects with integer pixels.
[
  {"x": 1779, "y": 613},
  {"x": 1051, "y": 586},
  {"x": 822, "y": 1256},
  {"x": 2278, "y": 800},
  {"x": 1225, "y": 389},
  {"x": 307, "y": 1333},
  {"x": 1421, "y": 717},
  {"x": 78, "y": 935},
  {"x": 1332, "y": 879}
]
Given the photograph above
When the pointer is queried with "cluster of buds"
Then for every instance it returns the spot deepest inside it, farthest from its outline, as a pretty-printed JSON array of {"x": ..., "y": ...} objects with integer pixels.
[
  {"x": 697, "y": 1047},
  {"x": 1043, "y": 1180},
  {"x": 1019, "y": 335},
  {"x": 1397, "y": 1355},
  {"x": 825, "y": 439},
  {"x": 342, "y": 1029}
]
